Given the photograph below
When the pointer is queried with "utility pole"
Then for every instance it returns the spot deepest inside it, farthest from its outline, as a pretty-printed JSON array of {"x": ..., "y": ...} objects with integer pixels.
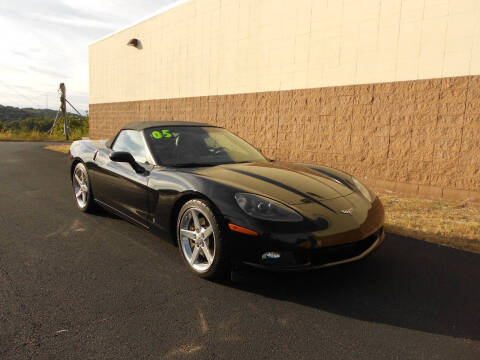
[{"x": 63, "y": 108}]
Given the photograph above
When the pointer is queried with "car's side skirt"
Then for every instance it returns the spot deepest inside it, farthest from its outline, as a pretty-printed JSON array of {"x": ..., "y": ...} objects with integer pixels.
[{"x": 121, "y": 214}]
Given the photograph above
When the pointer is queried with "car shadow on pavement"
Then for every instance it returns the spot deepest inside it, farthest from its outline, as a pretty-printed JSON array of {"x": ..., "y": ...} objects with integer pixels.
[{"x": 407, "y": 283}]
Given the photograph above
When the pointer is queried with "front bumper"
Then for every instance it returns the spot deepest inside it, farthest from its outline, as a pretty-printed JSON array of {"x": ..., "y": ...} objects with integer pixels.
[
  {"x": 326, "y": 257},
  {"x": 296, "y": 249},
  {"x": 318, "y": 258}
]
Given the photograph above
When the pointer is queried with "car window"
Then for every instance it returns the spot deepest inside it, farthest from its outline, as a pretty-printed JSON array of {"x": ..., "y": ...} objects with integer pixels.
[
  {"x": 198, "y": 145},
  {"x": 131, "y": 141}
]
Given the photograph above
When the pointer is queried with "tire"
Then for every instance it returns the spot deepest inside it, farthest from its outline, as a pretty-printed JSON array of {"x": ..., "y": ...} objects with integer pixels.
[
  {"x": 82, "y": 189},
  {"x": 195, "y": 237}
]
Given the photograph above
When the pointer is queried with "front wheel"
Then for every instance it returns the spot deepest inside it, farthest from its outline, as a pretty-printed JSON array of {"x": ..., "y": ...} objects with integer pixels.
[
  {"x": 82, "y": 189},
  {"x": 200, "y": 240}
]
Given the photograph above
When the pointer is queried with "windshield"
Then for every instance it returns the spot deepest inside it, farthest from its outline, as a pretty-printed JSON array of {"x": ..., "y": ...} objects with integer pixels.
[{"x": 198, "y": 146}]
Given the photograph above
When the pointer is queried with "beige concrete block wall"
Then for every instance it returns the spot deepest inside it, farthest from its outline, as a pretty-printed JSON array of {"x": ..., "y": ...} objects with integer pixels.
[{"x": 217, "y": 47}]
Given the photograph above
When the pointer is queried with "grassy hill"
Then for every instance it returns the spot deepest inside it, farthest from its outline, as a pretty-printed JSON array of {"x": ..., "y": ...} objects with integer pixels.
[
  {"x": 31, "y": 123},
  {"x": 10, "y": 113}
]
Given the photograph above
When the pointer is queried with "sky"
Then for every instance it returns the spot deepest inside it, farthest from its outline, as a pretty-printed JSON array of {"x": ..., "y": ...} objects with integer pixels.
[{"x": 45, "y": 42}]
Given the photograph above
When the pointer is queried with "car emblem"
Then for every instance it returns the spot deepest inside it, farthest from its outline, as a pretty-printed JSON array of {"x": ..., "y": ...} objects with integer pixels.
[{"x": 347, "y": 211}]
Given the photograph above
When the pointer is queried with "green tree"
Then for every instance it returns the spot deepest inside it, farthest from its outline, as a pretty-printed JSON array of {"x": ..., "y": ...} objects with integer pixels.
[{"x": 78, "y": 127}]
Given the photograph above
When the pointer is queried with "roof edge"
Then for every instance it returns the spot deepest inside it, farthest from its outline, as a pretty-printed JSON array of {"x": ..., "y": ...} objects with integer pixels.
[{"x": 162, "y": 10}]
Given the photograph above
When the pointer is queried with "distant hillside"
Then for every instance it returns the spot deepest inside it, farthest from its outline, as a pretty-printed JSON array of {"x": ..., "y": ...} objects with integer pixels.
[{"x": 10, "y": 113}]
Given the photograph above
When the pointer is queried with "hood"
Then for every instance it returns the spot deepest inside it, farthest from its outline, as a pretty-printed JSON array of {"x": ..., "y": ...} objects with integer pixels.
[{"x": 290, "y": 183}]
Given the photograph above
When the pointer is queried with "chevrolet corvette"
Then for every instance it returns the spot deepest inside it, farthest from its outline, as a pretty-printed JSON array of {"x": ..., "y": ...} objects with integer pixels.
[{"x": 223, "y": 202}]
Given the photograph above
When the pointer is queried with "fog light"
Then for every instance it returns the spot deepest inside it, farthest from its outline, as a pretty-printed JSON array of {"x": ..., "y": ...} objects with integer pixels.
[{"x": 271, "y": 255}]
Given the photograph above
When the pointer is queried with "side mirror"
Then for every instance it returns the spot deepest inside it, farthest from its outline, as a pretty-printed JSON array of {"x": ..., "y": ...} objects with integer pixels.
[{"x": 123, "y": 156}]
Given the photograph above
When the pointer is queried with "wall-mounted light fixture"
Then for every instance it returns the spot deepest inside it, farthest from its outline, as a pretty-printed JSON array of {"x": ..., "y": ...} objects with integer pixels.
[{"x": 135, "y": 43}]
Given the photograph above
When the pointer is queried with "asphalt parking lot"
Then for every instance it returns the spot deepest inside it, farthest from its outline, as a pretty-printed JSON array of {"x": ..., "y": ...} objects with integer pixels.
[{"x": 79, "y": 286}]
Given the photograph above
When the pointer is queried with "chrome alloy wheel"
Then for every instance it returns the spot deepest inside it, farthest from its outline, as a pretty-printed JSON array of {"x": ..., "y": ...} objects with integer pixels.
[
  {"x": 197, "y": 239},
  {"x": 80, "y": 185}
]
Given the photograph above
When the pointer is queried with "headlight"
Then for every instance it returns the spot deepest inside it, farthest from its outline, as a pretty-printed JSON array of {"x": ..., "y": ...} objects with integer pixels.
[
  {"x": 363, "y": 190},
  {"x": 266, "y": 209}
]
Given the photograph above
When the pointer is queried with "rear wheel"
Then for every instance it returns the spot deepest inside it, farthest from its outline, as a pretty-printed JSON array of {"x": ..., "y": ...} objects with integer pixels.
[
  {"x": 200, "y": 240},
  {"x": 82, "y": 189}
]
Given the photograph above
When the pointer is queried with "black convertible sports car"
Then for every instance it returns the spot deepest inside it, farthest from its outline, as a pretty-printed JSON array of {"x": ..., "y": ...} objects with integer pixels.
[{"x": 223, "y": 202}]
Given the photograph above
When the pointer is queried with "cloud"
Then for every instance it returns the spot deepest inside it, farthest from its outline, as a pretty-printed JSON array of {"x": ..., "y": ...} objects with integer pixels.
[
  {"x": 54, "y": 73},
  {"x": 48, "y": 44},
  {"x": 71, "y": 21}
]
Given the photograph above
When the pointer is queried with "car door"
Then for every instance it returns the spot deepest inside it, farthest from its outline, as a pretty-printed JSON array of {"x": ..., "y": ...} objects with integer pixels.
[{"x": 117, "y": 185}]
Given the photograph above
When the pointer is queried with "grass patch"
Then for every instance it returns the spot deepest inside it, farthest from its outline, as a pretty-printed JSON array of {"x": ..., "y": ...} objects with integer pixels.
[
  {"x": 61, "y": 148},
  {"x": 446, "y": 223},
  {"x": 35, "y": 135}
]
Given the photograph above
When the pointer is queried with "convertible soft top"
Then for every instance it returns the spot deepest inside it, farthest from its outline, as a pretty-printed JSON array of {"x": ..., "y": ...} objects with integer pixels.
[
  {"x": 142, "y": 125},
  {"x": 150, "y": 124}
]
